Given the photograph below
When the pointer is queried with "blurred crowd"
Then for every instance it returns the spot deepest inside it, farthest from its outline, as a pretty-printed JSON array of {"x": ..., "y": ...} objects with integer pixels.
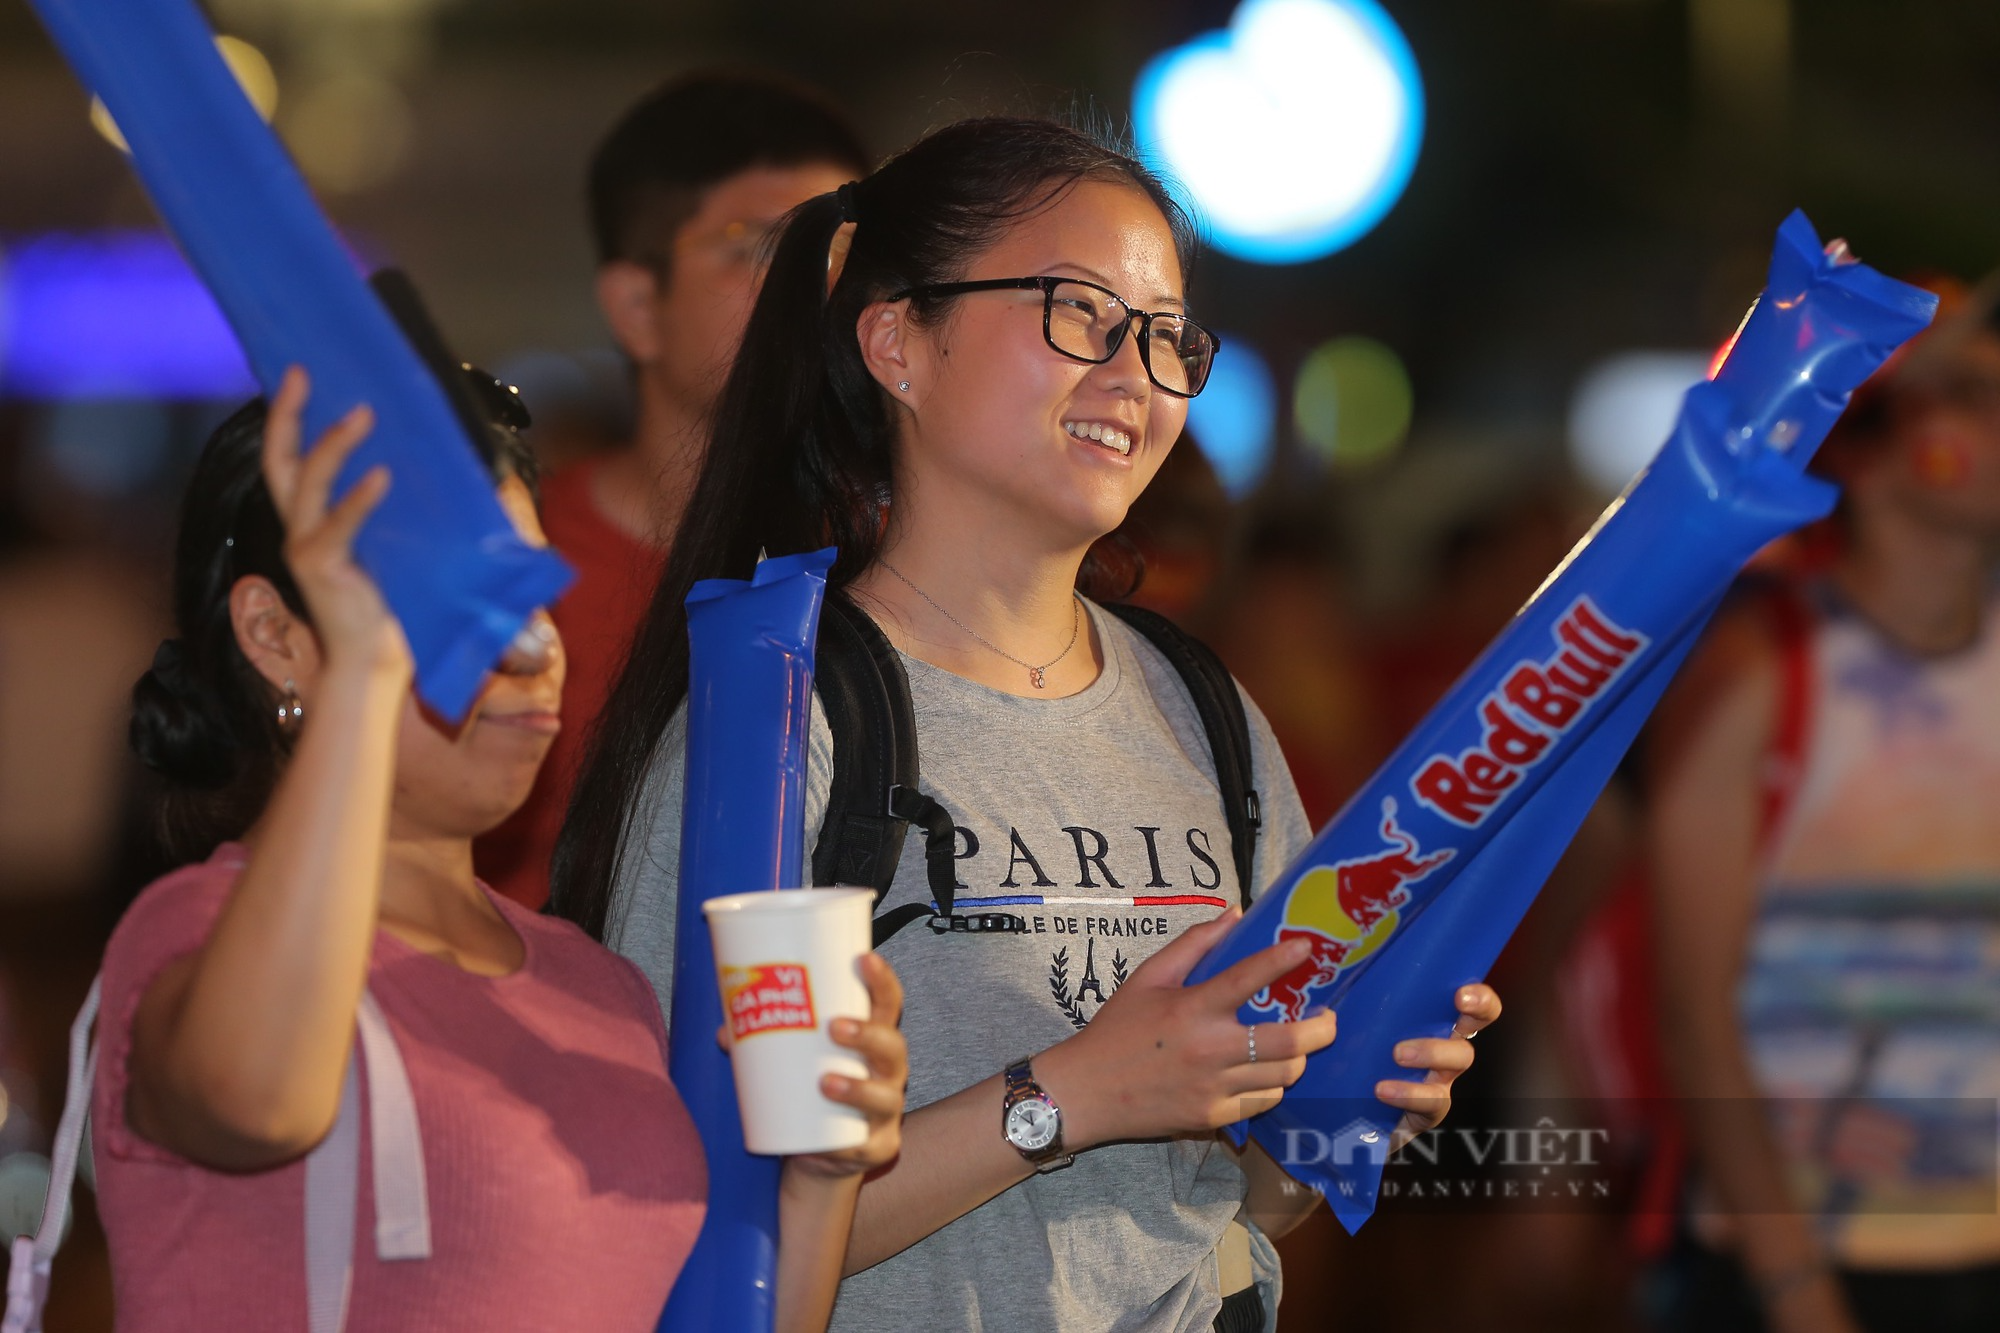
[{"x": 1790, "y": 892}]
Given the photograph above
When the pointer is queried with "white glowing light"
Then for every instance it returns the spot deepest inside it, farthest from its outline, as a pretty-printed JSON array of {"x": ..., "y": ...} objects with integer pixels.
[
  {"x": 1623, "y": 410},
  {"x": 1295, "y": 129}
]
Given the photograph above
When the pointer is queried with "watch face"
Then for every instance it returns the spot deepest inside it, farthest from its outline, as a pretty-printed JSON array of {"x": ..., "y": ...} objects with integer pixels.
[{"x": 1032, "y": 1124}]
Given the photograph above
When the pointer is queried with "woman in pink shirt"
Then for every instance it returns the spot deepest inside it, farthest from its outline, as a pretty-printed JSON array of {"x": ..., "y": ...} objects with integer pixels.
[{"x": 564, "y": 1181}]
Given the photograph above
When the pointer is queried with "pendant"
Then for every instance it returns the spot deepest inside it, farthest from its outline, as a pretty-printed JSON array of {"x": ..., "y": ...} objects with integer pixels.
[{"x": 1035, "y": 678}]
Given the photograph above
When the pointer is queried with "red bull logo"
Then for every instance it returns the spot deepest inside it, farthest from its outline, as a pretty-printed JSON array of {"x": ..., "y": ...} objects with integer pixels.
[
  {"x": 1348, "y": 910},
  {"x": 1532, "y": 708}
]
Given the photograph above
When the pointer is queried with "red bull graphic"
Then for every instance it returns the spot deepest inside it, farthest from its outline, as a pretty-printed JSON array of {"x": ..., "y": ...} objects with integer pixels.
[
  {"x": 1528, "y": 712},
  {"x": 1494, "y": 783},
  {"x": 1348, "y": 910}
]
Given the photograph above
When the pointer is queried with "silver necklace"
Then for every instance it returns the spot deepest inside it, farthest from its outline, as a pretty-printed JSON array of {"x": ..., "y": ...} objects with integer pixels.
[{"x": 1035, "y": 673}]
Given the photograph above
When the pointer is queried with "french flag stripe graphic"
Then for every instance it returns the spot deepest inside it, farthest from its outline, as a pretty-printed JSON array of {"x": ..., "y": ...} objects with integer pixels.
[{"x": 1038, "y": 900}]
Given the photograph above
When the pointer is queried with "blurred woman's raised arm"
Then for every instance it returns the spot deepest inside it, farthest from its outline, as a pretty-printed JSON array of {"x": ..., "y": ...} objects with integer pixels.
[{"x": 238, "y": 1050}]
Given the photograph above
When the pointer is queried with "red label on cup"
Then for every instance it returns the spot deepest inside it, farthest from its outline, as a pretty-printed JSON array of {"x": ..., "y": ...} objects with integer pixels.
[{"x": 771, "y": 997}]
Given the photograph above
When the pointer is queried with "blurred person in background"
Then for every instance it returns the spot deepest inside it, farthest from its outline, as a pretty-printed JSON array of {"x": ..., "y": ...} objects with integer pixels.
[
  {"x": 1486, "y": 564},
  {"x": 1282, "y": 621},
  {"x": 326, "y": 821},
  {"x": 1263, "y": 583},
  {"x": 1824, "y": 857},
  {"x": 684, "y": 195}
]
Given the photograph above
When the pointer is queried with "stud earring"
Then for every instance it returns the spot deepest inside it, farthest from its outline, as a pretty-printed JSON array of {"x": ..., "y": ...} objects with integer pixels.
[
  {"x": 903, "y": 386},
  {"x": 291, "y": 709}
]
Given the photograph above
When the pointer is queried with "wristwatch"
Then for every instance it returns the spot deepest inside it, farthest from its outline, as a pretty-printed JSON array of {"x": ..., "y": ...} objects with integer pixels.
[{"x": 1031, "y": 1121}]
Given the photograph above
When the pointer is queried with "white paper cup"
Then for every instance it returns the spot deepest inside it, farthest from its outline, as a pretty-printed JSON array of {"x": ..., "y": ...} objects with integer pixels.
[{"x": 789, "y": 963}]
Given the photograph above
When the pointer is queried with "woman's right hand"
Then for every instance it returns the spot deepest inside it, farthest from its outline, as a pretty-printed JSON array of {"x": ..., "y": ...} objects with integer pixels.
[
  {"x": 354, "y": 625},
  {"x": 1161, "y": 1058}
]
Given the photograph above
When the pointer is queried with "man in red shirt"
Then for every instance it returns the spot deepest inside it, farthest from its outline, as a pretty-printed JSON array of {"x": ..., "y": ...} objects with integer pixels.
[{"x": 684, "y": 193}]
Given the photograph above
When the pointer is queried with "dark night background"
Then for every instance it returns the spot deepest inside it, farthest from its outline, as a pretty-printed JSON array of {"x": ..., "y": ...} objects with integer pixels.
[{"x": 1596, "y": 176}]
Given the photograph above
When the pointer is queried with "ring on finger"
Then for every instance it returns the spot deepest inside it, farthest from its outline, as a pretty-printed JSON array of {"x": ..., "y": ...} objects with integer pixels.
[
  {"x": 1463, "y": 1036},
  {"x": 1253, "y": 1043}
]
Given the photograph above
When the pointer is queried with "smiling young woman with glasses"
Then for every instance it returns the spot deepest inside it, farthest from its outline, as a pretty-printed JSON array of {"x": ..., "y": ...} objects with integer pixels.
[{"x": 965, "y": 436}]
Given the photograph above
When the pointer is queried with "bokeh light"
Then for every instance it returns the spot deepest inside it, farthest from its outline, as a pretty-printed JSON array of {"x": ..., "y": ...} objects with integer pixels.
[
  {"x": 1235, "y": 417},
  {"x": 1352, "y": 401},
  {"x": 114, "y": 314},
  {"x": 253, "y": 73},
  {"x": 350, "y": 131},
  {"x": 1622, "y": 410},
  {"x": 1295, "y": 129},
  {"x": 105, "y": 448}
]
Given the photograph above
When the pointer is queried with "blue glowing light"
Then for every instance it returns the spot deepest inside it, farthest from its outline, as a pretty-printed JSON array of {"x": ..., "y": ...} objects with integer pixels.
[
  {"x": 1235, "y": 417},
  {"x": 1295, "y": 129},
  {"x": 116, "y": 314}
]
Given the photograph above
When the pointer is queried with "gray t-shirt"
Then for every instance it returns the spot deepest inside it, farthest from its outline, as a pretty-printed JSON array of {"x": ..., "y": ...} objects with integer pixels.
[{"x": 1096, "y": 819}]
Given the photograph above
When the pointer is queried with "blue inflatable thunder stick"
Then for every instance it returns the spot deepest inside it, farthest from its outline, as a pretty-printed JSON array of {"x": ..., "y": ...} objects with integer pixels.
[
  {"x": 750, "y": 665},
  {"x": 1430, "y": 867},
  {"x": 447, "y": 559}
]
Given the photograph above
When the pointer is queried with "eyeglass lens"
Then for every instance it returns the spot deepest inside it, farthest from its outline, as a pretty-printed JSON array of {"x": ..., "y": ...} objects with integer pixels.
[{"x": 1091, "y": 325}]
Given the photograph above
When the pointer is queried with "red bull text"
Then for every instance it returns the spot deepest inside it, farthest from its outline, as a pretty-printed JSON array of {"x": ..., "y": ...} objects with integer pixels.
[
  {"x": 1531, "y": 709},
  {"x": 1348, "y": 910}
]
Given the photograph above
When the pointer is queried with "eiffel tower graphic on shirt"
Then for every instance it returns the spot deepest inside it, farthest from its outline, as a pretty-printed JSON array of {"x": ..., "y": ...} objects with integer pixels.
[{"x": 1089, "y": 984}]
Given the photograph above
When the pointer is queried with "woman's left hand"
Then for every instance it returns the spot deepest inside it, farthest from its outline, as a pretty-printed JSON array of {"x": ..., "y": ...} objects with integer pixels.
[
  {"x": 1425, "y": 1104},
  {"x": 879, "y": 1097}
]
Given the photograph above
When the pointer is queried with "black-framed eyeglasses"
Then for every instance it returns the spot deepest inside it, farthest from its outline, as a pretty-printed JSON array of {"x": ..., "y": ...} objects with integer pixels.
[{"x": 1087, "y": 322}]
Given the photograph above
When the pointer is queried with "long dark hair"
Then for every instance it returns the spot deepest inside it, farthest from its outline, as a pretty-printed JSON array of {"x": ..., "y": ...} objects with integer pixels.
[
  {"x": 800, "y": 454},
  {"x": 203, "y": 718}
]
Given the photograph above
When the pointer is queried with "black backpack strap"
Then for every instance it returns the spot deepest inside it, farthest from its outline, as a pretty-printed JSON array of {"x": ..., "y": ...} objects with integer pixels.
[
  {"x": 909, "y": 805},
  {"x": 874, "y": 795},
  {"x": 1220, "y": 707}
]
